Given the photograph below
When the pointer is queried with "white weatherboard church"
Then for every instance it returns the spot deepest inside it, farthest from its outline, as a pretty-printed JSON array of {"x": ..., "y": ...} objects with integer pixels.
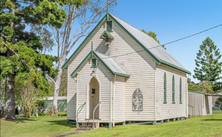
[{"x": 129, "y": 73}]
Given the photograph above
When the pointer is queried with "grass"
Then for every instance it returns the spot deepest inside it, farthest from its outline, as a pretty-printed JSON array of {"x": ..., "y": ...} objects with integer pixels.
[
  {"x": 35, "y": 127},
  {"x": 200, "y": 126}
]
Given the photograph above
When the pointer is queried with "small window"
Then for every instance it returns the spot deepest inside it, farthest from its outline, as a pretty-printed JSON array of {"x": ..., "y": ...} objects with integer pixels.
[
  {"x": 93, "y": 91},
  {"x": 165, "y": 89},
  {"x": 180, "y": 91},
  {"x": 109, "y": 26},
  {"x": 94, "y": 63},
  {"x": 173, "y": 90}
]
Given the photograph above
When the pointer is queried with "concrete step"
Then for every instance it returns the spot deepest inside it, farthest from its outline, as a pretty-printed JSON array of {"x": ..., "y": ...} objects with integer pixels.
[
  {"x": 84, "y": 129},
  {"x": 90, "y": 124}
]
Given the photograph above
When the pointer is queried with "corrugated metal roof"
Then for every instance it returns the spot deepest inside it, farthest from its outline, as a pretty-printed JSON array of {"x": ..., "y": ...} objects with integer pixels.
[
  {"x": 110, "y": 62},
  {"x": 150, "y": 43}
]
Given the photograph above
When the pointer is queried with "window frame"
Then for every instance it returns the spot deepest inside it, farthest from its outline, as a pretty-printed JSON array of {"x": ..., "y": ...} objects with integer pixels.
[
  {"x": 173, "y": 90},
  {"x": 94, "y": 63},
  {"x": 165, "y": 88},
  {"x": 180, "y": 91}
]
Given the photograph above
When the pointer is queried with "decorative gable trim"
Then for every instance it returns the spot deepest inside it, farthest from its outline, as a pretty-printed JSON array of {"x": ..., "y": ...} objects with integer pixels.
[
  {"x": 141, "y": 45},
  {"x": 91, "y": 34},
  {"x": 85, "y": 41},
  {"x": 93, "y": 54},
  {"x": 106, "y": 34}
]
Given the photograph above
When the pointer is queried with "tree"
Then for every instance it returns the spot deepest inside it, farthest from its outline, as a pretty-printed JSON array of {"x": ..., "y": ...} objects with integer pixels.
[
  {"x": 208, "y": 66},
  {"x": 45, "y": 35},
  {"x": 153, "y": 35},
  {"x": 88, "y": 14},
  {"x": 19, "y": 47},
  {"x": 27, "y": 95},
  {"x": 204, "y": 87},
  {"x": 193, "y": 87},
  {"x": 217, "y": 87}
]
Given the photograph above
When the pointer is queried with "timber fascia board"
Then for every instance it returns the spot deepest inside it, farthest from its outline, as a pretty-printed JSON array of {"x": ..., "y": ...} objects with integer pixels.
[
  {"x": 85, "y": 41},
  {"x": 93, "y": 54},
  {"x": 174, "y": 66},
  {"x": 91, "y": 34}
]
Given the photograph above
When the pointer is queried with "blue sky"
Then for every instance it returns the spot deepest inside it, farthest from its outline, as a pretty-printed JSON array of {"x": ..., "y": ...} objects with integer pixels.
[{"x": 174, "y": 19}]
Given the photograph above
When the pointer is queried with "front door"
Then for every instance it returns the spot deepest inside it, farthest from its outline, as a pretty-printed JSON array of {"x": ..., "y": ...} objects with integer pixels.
[{"x": 93, "y": 98}]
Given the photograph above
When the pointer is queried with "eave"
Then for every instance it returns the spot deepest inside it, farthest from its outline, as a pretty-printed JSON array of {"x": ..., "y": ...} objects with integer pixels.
[
  {"x": 91, "y": 34},
  {"x": 93, "y": 54}
]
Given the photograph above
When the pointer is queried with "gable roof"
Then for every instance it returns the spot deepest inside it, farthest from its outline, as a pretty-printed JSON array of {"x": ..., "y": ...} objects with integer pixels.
[
  {"x": 108, "y": 62},
  {"x": 148, "y": 44}
]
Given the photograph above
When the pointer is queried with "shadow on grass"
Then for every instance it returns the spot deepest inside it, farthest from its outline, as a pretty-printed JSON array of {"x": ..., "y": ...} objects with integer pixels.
[
  {"x": 212, "y": 120},
  {"x": 20, "y": 120},
  {"x": 63, "y": 123}
]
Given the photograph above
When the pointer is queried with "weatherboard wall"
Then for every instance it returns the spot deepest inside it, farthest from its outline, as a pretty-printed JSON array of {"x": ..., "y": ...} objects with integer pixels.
[
  {"x": 144, "y": 74},
  {"x": 72, "y": 85},
  {"x": 104, "y": 78},
  {"x": 141, "y": 68},
  {"x": 119, "y": 99},
  {"x": 71, "y": 96},
  {"x": 169, "y": 110}
]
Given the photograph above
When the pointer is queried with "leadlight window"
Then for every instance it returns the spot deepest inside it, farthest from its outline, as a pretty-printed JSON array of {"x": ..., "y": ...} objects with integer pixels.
[
  {"x": 173, "y": 90},
  {"x": 165, "y": 88}
]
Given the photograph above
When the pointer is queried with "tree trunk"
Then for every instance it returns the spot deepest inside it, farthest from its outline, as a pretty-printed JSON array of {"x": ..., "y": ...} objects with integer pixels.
[
  {"x": 57, "y": 85},
  {"x": 9, "y": 94}
]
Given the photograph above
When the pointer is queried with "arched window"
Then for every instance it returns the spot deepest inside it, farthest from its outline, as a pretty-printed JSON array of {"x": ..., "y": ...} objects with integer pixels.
[
  {"x": 173, "y": 90},
  {"x": 180, "y": 91},
  {"x": 137, "y": 100},
  {"x": 165, "y": 89}
]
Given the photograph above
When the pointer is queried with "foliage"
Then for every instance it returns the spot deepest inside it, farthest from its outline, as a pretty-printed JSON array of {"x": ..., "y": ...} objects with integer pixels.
[
  {"x": 219, "y": 100},
  {"x": 193, "y": 87},
  {"x": 46, "y": 37},
  {"x": 205, "y": 87},
  {"x": 27, "y": 95},
  {"x": 217, "y": 87},
  {"x": 2, "y": 91},
  {"x": 208, "y": 66},
  {"x": 86, "y": 15},
  {"x": 19, "y": 47},
  {"x": 153, "y": 35}
]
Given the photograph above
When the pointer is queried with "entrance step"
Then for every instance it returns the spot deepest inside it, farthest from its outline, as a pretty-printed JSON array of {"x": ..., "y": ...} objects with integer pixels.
[{"x": 87, "y": 126}]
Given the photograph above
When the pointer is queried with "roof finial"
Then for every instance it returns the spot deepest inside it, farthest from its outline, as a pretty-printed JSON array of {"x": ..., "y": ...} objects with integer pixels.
[
  {"x": 91, "y": 48},
  {"x": 107, "y": 10}
]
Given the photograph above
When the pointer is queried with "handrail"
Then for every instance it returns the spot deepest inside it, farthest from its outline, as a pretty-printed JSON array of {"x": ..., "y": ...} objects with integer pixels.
[
  {"x": 193, "y": 110},
  {"x": 94, "y": 112},
  {"x": 78, "y": 111}
]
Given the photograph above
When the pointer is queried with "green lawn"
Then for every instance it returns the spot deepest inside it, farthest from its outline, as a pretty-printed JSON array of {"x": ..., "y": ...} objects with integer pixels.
[
  {"x": 201, "y": 126},
  {"x": 35, "y": 127},
  {"x": 47, "y": 126}
]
